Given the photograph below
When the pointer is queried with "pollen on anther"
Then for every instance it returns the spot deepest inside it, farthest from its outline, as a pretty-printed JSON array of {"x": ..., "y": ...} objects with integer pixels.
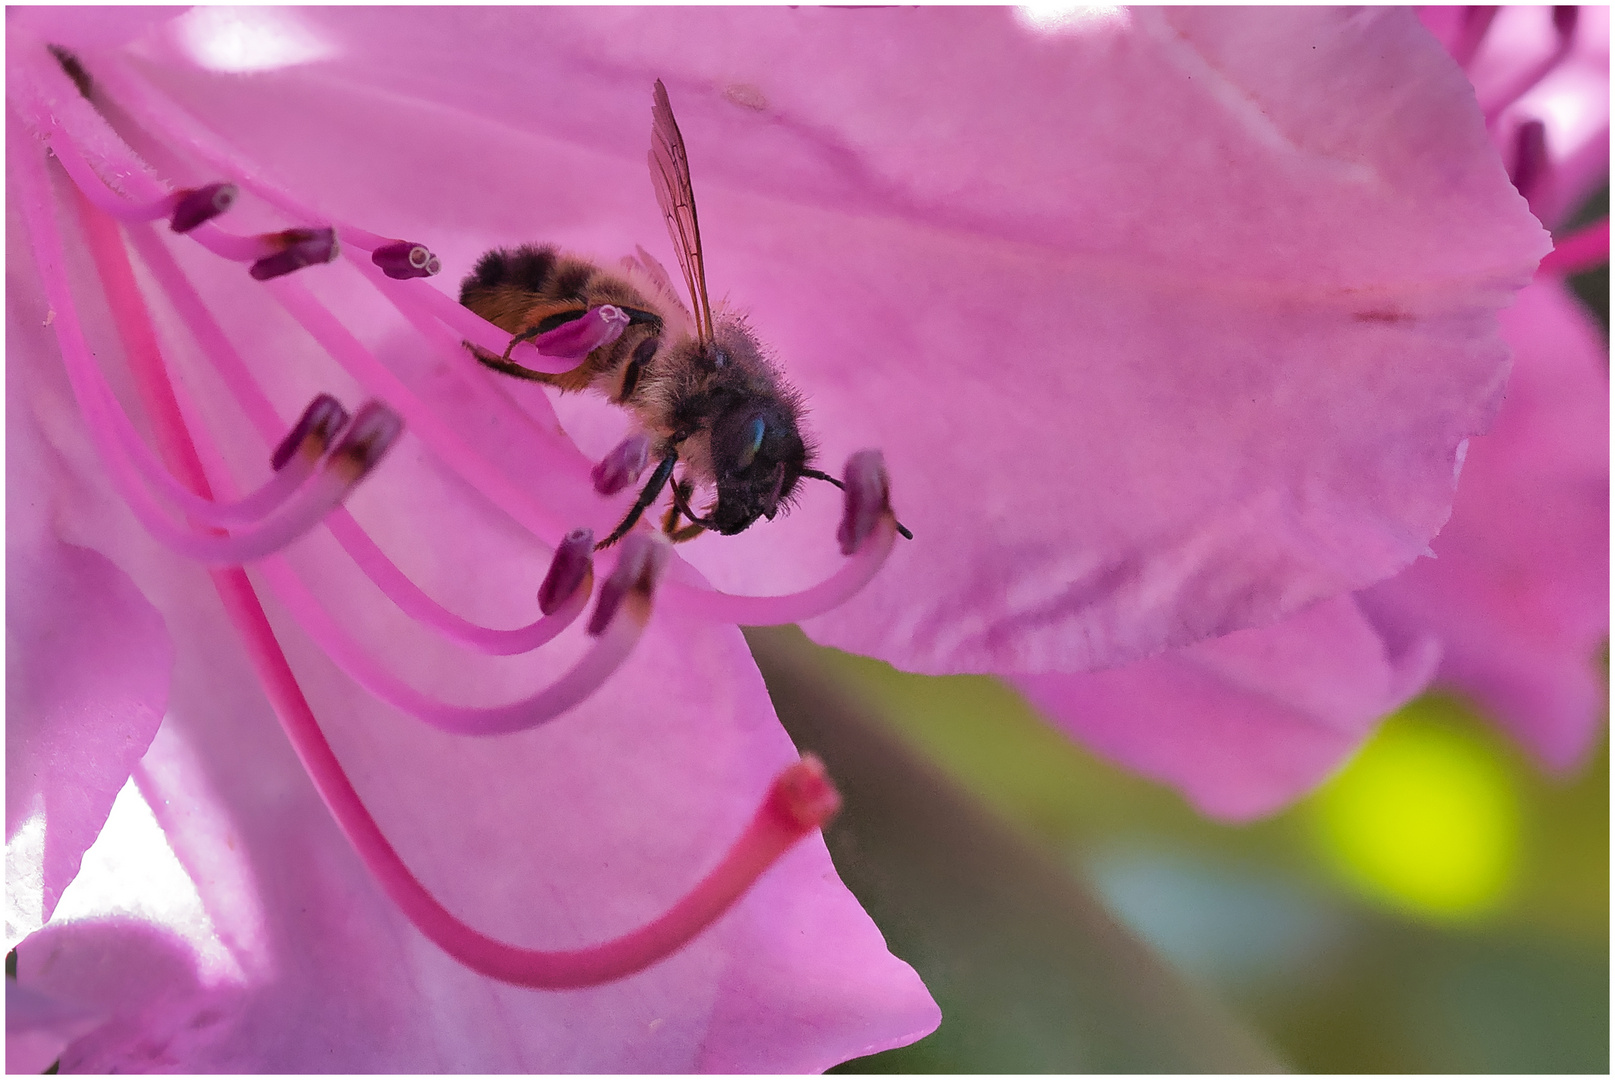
[{"x": 403, "y": 260}]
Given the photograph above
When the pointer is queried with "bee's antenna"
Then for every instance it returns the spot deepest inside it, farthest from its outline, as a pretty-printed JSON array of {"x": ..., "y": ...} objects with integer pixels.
[{"x": 815, "y": 474}]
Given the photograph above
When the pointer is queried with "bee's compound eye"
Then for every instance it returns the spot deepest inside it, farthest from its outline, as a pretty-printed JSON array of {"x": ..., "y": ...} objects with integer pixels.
[{"x": 755, "y": 431}]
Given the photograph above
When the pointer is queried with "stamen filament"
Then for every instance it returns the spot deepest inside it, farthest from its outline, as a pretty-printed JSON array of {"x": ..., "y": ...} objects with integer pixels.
[
  {"x": 567, "y": 692},
  {"x": 296, "y": 515},
  {"x": 423, "y": 421},
  {"x": 868, "y": 531},
  {"x": 828, "y": 594},
  {"x": 381, "y": 570},
  {"x": 254, "y": 507},
  {"x": 177, "y": 123},
  {"x": 87, "y": 180},
  {"x": 413, "y": 601},
  {"x": 799, "y": 801}
]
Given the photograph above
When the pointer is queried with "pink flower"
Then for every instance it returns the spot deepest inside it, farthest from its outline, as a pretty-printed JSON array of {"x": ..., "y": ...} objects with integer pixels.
[
  {"x": 1511, "y": 608},
  {"x": 1168, "y": 324}
]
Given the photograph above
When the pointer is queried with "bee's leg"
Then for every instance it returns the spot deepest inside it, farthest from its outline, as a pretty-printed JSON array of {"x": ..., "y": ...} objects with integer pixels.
[
  {"x": 681, "y": 494},
  {"x": 689, "y": 532},
  {"x": 528, "y": 335},
  {"x": 647, "y": 495},
  {"x": 508, "y": 367}
]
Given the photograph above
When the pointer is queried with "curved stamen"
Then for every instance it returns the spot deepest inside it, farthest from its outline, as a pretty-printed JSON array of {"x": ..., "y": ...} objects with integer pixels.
[
  {"x": 367, "y": 439},
  {"x": 625, "y": 599},
  {"x": 185, "y": 209},
  {"x": 423, "y": 420},
  {"x": 414, "y": 602},
  {"x": 189, "y": 211},
  {"x": 800, "y": 800},
  {"x": 867, "y": 532},
  {"x": 381, "y": 570},
  {"x": 296, "y": 460},
  {"x": 179, "y": 125}
]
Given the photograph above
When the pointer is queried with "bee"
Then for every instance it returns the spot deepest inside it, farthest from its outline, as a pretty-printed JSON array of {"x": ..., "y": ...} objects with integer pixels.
[{"x": 698, "y": 382}]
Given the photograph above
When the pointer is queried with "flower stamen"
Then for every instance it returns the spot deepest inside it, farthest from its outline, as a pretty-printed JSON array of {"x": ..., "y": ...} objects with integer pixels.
[
  {"x": 402, "y": 260},
  {"x": 293, "y": 249},
  {"x": 867, "y": 532},
  {"x": 304, "y": 448},
  {"x": 620, "y": 616},
  {"x": 375, "y": 564}
]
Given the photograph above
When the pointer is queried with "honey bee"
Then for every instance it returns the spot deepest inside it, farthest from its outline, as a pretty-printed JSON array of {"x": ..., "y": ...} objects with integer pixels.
[{"x": 698, "y": 382}]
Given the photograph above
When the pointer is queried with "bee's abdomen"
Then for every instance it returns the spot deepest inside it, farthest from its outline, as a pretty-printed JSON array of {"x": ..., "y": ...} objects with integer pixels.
[
  {"x": 528, "y": 268},
  {"x": 536, "y": 288}
]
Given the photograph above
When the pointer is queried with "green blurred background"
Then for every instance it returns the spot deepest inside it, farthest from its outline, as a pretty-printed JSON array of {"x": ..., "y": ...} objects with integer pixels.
[{"x": 1439, "y": 906}]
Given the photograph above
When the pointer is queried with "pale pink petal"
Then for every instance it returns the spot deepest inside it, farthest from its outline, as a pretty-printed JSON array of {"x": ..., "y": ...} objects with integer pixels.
[
  {"x": 561, "y": 837},
  {"x": 87, "y": 670},
  {"x": 1519, "y": 589},
  {"x": 1167, "y": 324},
  {"x": 1244, "y": 724}
]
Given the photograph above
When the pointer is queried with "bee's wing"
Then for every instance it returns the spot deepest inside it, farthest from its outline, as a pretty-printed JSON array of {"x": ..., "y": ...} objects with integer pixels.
[
  {"x": 670, "y": 174},
  {"x": 651, "y": 267}
]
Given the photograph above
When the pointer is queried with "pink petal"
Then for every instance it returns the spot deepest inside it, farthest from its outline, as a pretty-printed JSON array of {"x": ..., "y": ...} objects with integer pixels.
[
  {"x": 1250, "y": 721},
  {"x": 87, "y": 667},
  {"x": 1519, "y": 588},
  {"x": 1166, "y": 326}
]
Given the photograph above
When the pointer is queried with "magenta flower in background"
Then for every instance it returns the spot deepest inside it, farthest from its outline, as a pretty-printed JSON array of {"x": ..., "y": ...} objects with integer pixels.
[
  {"x": 1511, "y": 608},
  {"x": 1168, "y": 324}
]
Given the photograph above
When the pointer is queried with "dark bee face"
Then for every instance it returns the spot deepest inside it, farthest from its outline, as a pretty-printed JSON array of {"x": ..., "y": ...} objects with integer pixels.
[{"x": 757, "y": 456}]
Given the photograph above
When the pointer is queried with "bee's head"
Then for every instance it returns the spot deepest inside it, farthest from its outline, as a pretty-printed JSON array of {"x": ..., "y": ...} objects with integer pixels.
[{"x": 758, "y": 455}]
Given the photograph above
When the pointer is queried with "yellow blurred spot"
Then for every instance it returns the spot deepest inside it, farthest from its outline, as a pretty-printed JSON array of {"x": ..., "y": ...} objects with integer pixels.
[{"x": 1426, "y": 818}]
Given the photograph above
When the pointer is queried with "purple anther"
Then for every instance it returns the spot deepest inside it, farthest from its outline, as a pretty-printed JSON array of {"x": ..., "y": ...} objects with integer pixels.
[
  {"x": 867, "y": 498},
  {"x": 197, "y": 205},
  {"x": 573, "y": 562},
  {"x": 323, "y": 418},
  {"x": 374, "y": 429},
  {"x": 623, "y": 465},
  {"x": 639, "y": 566},
  {"x": 298, "y": 248},
  {"x": 404, "y": 260},
  {"x": 580, "y": 337}
]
